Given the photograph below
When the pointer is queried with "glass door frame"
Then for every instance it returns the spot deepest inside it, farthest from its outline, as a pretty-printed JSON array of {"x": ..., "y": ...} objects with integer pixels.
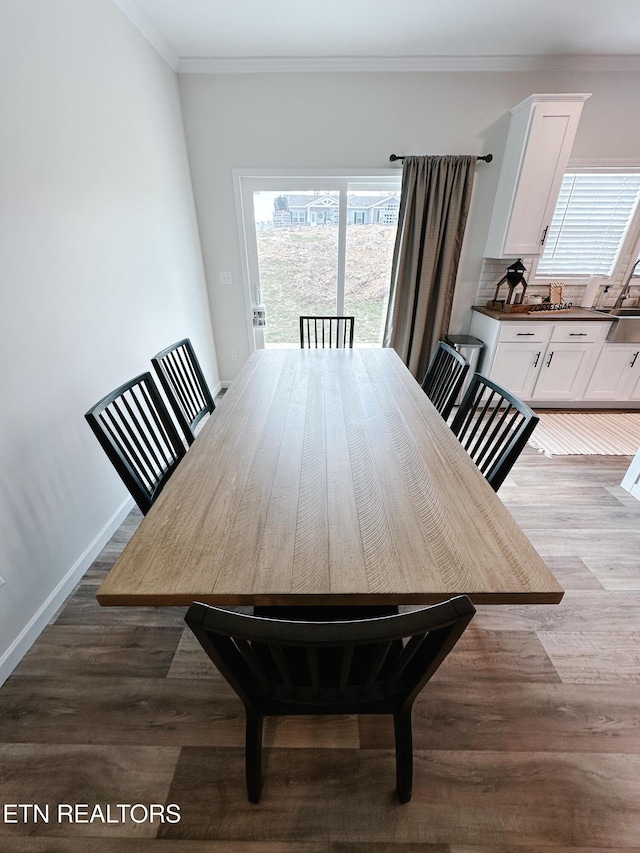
[{"x": 342, "y": 181}]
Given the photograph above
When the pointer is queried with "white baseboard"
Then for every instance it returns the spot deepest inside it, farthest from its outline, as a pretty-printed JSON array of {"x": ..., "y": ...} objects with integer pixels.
[{"x": 43, "y": 615}]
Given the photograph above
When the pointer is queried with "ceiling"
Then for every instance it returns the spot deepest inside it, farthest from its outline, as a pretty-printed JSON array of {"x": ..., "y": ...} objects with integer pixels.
[{"x": 243, "y": 30}]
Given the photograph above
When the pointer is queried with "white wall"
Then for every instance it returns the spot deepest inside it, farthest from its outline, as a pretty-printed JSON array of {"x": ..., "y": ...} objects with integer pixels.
[
  {"x": 339, "y": 121},
  {"x": 100, "y": 268}
]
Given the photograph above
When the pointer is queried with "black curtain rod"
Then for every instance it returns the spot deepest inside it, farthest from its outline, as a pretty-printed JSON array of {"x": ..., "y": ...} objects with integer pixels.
[{"x": 487, "y": 157}]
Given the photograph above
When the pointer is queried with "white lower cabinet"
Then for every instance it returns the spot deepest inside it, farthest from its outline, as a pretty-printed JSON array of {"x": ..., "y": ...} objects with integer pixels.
[
  {"x": 616, "y": 375},
  {"x": 564, "y": 371},
  {"x": 556, "y": 362},
  {"x": 553, "y": 371},
  {"x": 516, "y": 367}
]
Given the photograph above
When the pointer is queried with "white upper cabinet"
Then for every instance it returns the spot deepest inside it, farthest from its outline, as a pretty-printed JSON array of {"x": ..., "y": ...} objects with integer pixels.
[{"x": 539, "y": 143}]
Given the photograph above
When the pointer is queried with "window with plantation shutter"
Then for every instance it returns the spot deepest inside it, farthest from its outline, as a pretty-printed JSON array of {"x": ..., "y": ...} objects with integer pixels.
[{"x": 591, "y": 220}]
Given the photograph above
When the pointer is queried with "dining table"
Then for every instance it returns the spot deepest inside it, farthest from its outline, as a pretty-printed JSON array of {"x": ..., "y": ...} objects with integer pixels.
[{"x": 326, "y": 477}]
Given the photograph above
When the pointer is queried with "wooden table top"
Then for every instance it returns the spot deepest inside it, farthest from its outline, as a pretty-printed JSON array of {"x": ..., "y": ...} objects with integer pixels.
[{"x": 327, "y": 477}]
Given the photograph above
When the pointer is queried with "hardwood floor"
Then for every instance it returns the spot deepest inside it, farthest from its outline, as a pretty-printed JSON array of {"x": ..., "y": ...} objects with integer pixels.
[{"x": 526, "y": 741}]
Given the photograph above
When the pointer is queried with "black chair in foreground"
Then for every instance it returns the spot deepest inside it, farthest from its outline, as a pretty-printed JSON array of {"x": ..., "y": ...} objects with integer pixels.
[
  {"x": 444, "y": 378},
  {"x": 136, "y": 432},
  {"x": 280, "y": 667},
  {"x": 493, "y": 426},
  {"x": 326, "y": 332},
  {"x": 184, "y": 384}
]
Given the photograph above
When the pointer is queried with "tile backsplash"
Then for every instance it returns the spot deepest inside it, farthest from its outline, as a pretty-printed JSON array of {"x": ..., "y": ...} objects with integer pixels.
[
  {"x": 493, "y": 270},
  {"x": 491, "y": 273}
]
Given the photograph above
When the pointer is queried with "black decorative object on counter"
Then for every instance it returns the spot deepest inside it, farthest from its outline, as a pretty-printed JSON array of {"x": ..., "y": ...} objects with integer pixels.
[{"x": 513, "y": 277}]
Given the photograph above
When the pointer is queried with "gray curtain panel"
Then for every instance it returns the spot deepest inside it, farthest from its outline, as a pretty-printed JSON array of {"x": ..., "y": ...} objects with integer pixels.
[{"x": 434, "y": 203}]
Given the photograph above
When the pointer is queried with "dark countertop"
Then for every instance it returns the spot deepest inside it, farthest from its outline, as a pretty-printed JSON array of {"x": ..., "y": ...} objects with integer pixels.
[{"x": 576, "y": 313}]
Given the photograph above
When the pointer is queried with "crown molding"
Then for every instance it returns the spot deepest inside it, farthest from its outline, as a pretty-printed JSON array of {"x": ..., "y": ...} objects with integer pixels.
[
  {"x": 144, "y": 26},
  {"x": 298, "y": 64}
]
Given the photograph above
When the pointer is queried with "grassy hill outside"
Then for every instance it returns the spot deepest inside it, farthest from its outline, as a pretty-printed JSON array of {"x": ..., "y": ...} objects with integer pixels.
[{"x": 298, "y": 275}]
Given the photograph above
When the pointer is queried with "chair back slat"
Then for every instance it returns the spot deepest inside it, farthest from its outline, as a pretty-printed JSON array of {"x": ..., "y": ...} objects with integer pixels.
[
  {"x": 130, "y": 443},
  {"x": 314, "y": 669},
  {"x": 148, "y": 412},
  {"x": 149, "y": 438},
  {"x": 378, "y": 662},
  {"x": 493, "y": 426},
  {"x": 503, "y": 427},
  {"x": 136, "y": 432},
  {"x": 183, "y": 382},
  {"x": 345, "y": 668},
  {"x": 181, "y": 372},
  {"x": 324, "y": 332},
  {"x": 483, "y": 425},
  {"x": 445, "y": 377},
  {"x": 282, "y": 666},
  {"x": 406, "y": 656},
  {"x": 248, "y": 654}
]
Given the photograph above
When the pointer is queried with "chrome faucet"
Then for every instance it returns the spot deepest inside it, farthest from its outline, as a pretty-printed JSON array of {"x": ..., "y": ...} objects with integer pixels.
[{"x": 624, "y": 293}]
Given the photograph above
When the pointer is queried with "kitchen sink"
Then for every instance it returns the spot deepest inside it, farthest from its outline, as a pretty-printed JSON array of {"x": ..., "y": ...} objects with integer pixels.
[{"x": 626, "y": 328}]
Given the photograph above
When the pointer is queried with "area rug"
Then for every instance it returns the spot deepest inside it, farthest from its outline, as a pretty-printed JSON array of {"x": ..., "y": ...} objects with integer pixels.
[{"x": 587, "y": 433}]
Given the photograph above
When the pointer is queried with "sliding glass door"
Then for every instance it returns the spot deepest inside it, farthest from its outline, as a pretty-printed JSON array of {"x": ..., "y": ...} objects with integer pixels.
[
  {"x": 319, "y": 246},
  {"x": 297, "y": 246},
  {"x": 372, "y": 219}
]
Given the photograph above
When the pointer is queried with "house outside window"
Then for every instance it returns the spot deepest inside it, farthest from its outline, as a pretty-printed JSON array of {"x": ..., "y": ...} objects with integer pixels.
[
  {"x": 297, "y": 209},
  {"x": 387, "y": 212}
]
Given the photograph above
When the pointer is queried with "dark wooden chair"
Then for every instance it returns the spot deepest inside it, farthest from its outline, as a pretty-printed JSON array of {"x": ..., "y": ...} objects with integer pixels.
[
  {"x": 280, "y": 667},
  {"x": 184, "y": 384},
  {"x": 326, "y": 332},
  {"x": 444, "y": 378},
  {"x": 493, "y": 426},
  {"x": 136, "y": 432}
]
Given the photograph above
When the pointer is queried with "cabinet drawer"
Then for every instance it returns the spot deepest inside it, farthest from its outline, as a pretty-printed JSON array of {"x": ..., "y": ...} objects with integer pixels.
[
  {"x": 523, "y": 332},
  {"x": 577, "y": 333}
]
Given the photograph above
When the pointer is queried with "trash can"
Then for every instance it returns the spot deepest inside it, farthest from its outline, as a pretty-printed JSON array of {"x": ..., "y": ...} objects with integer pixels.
[{"x": 468, "y": 347}]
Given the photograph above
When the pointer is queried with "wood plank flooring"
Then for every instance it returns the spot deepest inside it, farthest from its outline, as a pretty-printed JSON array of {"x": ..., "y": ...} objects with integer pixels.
[{"x": 526, "y": 741}]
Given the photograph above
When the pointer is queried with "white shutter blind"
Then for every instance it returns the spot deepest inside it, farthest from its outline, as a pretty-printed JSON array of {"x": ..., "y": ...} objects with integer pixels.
[{"x": 590, "y": 222}]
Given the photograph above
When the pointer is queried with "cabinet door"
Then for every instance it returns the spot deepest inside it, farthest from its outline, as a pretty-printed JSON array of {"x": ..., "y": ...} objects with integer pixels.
[
  {"x": 516, "y": 366},
  {"x": 563, "y": 371},
  {"x": 614, "y": 373},
  {"x": 539, "y": 143}
]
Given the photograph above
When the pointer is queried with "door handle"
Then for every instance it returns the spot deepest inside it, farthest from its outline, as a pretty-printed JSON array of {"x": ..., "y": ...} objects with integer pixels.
[
  {"x": 524, "y": 334},
  {"x": 633, "y": 360},
  {"x": 538, "y": 354},
  {"x": 549, "y": 361},
  {"x": 577, "y": 334},
  {"x": 544, "y": 235}
]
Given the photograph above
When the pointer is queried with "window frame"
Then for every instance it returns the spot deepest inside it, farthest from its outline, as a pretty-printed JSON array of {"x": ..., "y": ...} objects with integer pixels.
[
  {"x": 248, "y": 181},
  {"x": 630, "y": 247}
]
